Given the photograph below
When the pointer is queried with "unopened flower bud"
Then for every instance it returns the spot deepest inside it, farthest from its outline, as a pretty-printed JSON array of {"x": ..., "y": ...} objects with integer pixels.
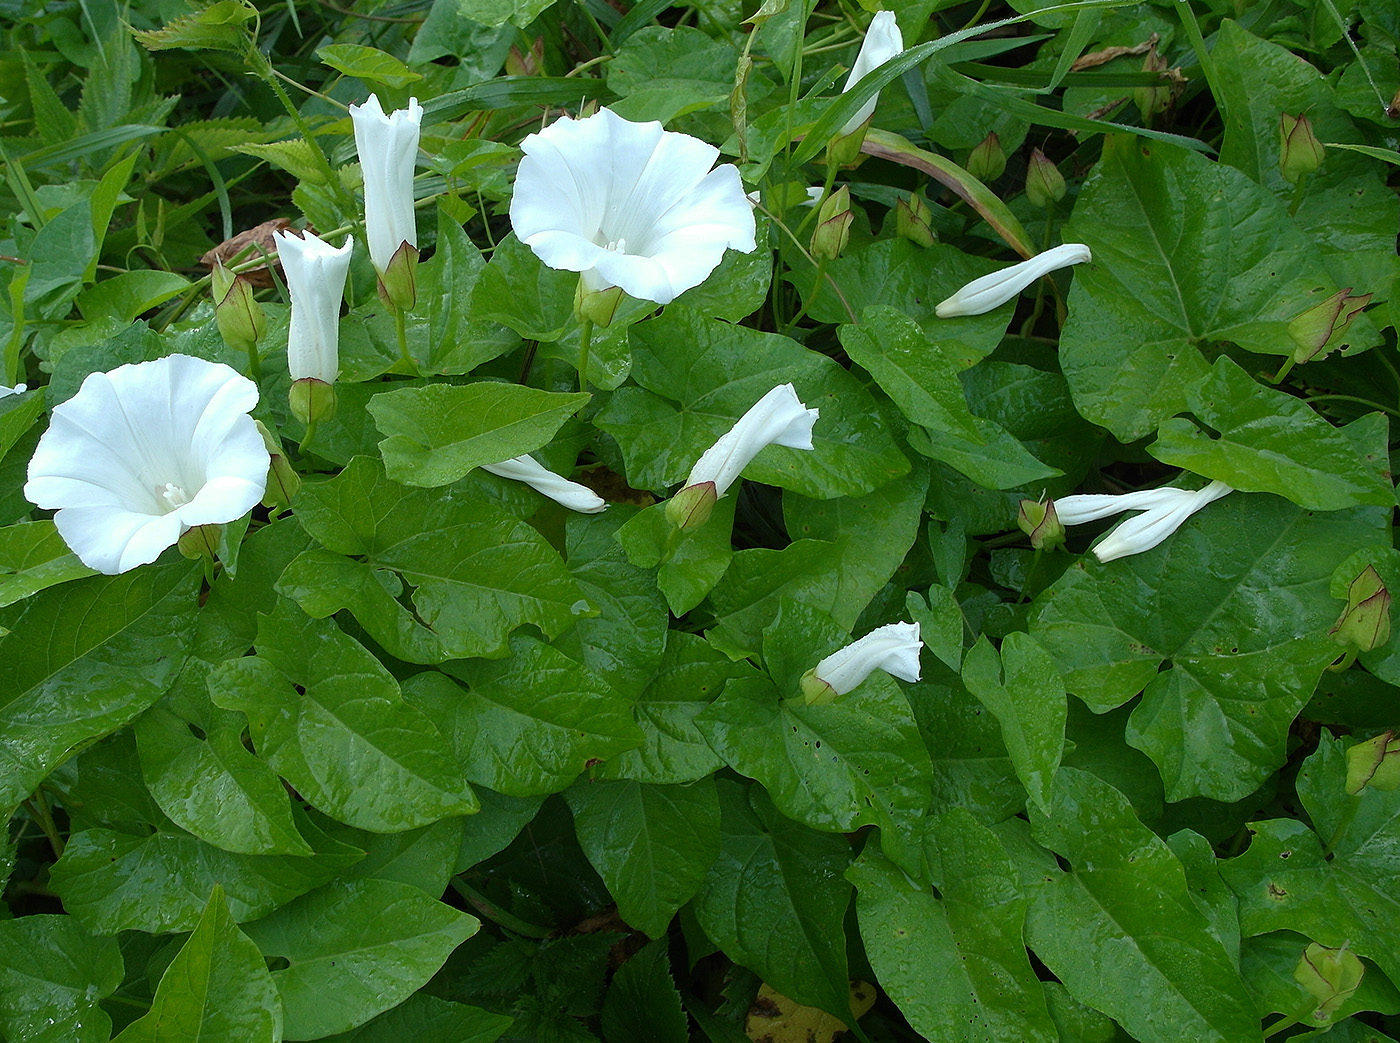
[
  {"x": 312, "y": 400},
  {"x": 201, "y": 541},
  {"x": 913, "y": 220},
  {"x": 282, "y": 479},
  {"x": 596, "y": 305},
  {"x": 1039, "y": 521},
  {"x": 833, "y": 225},
  {"x": 1155, "y": 99},
  {"x": 690, "y": 508},
  {"x": 987, "y": 161},
  {"x": 238, "y": 314},
  {"x": 893, "y": 648},
  {"x": 1320, "y": 330},
  {"x": 1365, "y": 623},
  {"x": 1300, "y": 153},
  {"x": 1330, "y": 976},
  {"x": 398, "y": 283},
  {"x": 1045, "y": 185},
  {"x": 1374, "y": 763}
]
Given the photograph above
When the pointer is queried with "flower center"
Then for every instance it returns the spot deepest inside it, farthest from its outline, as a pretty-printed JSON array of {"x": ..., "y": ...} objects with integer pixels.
[
  {"x": 174, "y": 495},
  {"x": 618, "y": 245}
]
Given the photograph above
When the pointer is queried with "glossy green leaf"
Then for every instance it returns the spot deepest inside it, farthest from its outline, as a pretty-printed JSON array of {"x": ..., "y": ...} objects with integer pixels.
[
  {"x": 662, "y": 73},
  {"x": 774, "y": 900},
  {"x": 367, "y": 63},
  {"x": 437, "y": 433},
  {"x": 1099, "y": 927},
  {"x": 554, "y": 714},
  {"x": 518, "y": 291},
  {"x": 1256, "y": 439},
  {"x": 1236, "y": 602},
  {"x": 476, "y": 572},
  {"x": 700, "y": 375},
  {"x": 1023, "y": 689},
  {"x": 1268, "y": 963},
  {"x": 673, "y": 750},
  {"x": 34, "y": 557},
  {"x": 1186, "y": 252},
  {"x": 355, "y": 949},
  {"x": 652, "y": 845},
  {"x": 217, "y": 987},
  {"x": 84, "y": 659},
  {"x": 956, "y": 966},
  {"x": 688, "y": 564},
  {"x": 53, "y": 975},
  {"x": 159, "y": 881},
  {"x": 427, "y": 1019},
  {"x": 328, "y": 717}
]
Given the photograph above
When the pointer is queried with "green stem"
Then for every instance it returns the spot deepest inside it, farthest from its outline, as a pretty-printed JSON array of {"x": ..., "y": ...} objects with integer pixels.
[
  {"x": 264, "y": 71},
  {"x": 1298, "y": 191},
  {"x": 826, "y": 192},
  {"x": 588, "y": 16},
  {"x": 1283, "y": 370},
  {"x": 1198, "y": 44},
  {"x": 1039, "y": 309},
  {"x": 38, "y": 806},
  {"x": 254, "y": 363},
  {"x": 310, "y": 434},
  {"x": 585, "y": 341},
  {"x": 816, "y": 288},
  {"x": 401, "y": 332},
  {"x": 494, "y": 912},
  {"x": 1354, "y": 398},
  {"x": 1284, "y": 1021}
]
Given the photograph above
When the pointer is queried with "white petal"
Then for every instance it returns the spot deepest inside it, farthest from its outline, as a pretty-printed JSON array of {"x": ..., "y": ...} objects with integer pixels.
[
  {"x": 388, "y": 150},
  {"x": 992, "y": 291},
  {"x": 316, "y": 274},
  {"x": 128, "y": 434},
  {"x": 1087, "y": 507},
  {"x": 883, "y": 41},
  {"x": 893, "y": 648},
  {"x": 630, "y": 204},
  {"x": 778, "y": 418},
  {"x": 18, "y": 389},
  {"x": 1149, "y": 529},
  {"x": 572, "y": 495}
]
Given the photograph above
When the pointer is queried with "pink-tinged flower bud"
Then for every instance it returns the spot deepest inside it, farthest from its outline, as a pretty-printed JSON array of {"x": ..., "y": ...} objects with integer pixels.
[
  {"x": 238, "y": 314},
  {"x": 690, "y": 508},
  {"x": 1330, "y": 976},
  {"x": 833, "y": 225},
  {"x": 1374, "y": 763},
  {"x": 987, "y": 161},
  {"x": 893, "y": 648},
  {"x": 1320, "y": 330},
  {"x": 1300, "y": 153},
  {"x": 1045, "y": 185},
  {"x": 311, "y": 400},
  {"x": 1364, "y": 624},
  {"x": 913, "y": 220},
  {"x": 1041, "y": 523}
]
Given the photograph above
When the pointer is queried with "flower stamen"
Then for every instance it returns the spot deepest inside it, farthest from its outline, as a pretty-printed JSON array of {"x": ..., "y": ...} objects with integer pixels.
[{"x": 173, "y": 495}]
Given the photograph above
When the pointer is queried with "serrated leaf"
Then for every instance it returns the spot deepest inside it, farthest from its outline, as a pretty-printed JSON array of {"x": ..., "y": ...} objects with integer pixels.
[
  {"x": 354, "y": 949},
  {"x": 217, "y": 987},
  {"x": 427, "y": 1019},
  {"x": 53, "y": 975},
  {"x": 651, "y": 844},
  {"x": 642, "y": 1004},
  {"x": 328, "y": 717},
  {"x": 551, "y": 713},
  {"x": 436, "y": 434},
  {"x": 296, "y": 157},
  {"x": 217, "y": 27},
  {"x": 1124, "y": 884},
  {"x": 85, "y": 658}
]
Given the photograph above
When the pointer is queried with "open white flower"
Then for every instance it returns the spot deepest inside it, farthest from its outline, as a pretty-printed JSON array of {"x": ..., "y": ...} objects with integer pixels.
[
  {"x": 628, "y": 205},
  {"x": 316, "y": 282},
  {"x": 18, "y": 389},
  {"x": 992, "y": 291},
  {"x": 388, "y": 148},
  {"x": 893, "y": 648},
  {"x": 572, "y": 495},
  {"x": 883, "y": 41},
  {"x": 145, "y": 452},
  {"x": 1164, "y": 510}
]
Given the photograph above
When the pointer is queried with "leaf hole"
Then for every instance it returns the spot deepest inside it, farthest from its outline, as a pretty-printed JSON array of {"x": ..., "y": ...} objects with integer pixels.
[{"x": 196, "y": 731}]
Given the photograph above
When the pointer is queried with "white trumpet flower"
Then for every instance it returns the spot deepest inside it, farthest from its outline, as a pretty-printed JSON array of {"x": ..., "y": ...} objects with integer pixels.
[
  {"x": 316, "y": 282},
  {"x": 1164, "y": 510},
  {"x": 893, "y": 648},
  {"x": 145, "y": 452},
  {"x": 992, "y": 291},
  {"x": 629, "y": 205},
  {"x": 388, "y": 149},
  {"x": 572, "y": 495},
  {"x": 883, "y": 41}
]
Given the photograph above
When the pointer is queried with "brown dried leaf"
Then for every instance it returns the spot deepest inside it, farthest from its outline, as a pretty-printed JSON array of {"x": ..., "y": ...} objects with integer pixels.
[
  {"x": 1094, "y": 59},
  {"x": 248, "y": 245}
]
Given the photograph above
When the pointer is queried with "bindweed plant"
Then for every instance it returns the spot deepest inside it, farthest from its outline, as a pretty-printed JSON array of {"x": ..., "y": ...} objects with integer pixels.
[{"x": 553, "y": 521}]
